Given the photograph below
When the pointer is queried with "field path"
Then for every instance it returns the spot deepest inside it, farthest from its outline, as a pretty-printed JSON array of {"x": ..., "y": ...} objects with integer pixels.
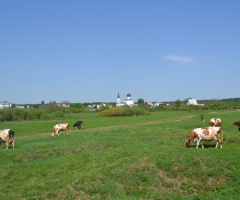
[{"x": 177, "y": 119}]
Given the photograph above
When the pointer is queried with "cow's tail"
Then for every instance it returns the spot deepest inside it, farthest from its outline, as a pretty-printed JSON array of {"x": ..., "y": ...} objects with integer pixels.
[
  {"x": 69, "y": 129},
  {"x": 222, "y": 135}
]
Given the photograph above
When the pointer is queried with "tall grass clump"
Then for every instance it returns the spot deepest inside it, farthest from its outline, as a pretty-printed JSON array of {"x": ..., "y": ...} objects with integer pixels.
[{"x": 123, "y": 111}]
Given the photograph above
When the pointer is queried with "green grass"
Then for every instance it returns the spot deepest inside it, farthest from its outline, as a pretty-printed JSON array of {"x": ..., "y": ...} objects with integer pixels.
[
  {"x": 126, "y": 161},
  {"x": 90, "y": 121}
]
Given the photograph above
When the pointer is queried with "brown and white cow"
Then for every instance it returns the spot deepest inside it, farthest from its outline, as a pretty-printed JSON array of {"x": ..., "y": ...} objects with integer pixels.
[
  {"x": 60, "y": 127},
  {"x": 215, "y": 122},
  {"x": 208, "y": 134},
  {"x": 7, "y": 136},
  {"x": 237, "y": 124}
]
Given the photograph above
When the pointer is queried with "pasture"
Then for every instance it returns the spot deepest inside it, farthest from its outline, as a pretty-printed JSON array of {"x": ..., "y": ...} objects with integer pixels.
[{"x": 140, "y": 157}]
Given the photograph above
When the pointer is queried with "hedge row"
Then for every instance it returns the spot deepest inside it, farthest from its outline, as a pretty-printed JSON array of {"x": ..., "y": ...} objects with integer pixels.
[
  {"x": 28, "y": 114},
  {"x": 123, "y": 111}
]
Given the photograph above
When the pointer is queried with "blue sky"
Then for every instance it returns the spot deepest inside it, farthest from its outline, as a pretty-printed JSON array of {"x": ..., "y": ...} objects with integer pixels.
[{"x": 89, "y": 51}]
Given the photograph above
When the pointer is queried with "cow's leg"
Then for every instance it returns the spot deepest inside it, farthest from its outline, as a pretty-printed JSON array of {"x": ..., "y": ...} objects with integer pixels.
[
  {"x": 7, "y": 144},
  {"x": 216, "y": 140},
  {"x": 201, "y": 144},
  {"x": 197, "y": 143},
  {"x": 57, "y": 133},
  {"x": 220, "y": 141}
]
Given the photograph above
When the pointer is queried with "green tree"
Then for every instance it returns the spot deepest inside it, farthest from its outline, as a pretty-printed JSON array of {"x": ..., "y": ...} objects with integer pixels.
[
  {"x": 140, "y": 101},
  {"x": 177, "y": 103},
  {"x": 52, "y": 106}
]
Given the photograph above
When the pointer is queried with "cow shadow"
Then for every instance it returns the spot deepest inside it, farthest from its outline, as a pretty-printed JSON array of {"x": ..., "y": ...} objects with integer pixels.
[
  {"x": 205, "y": 146},
  {"x": 210, "y": 146}
]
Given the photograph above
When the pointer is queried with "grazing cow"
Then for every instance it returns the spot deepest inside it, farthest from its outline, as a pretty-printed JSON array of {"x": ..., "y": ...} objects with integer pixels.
[
  {"x": 237, "y": 124},
  {"x": 215, "y": 122},
  {"x": 208, "y": 133},
  {"x": 78, "y": 124},
  {"x": 60, "y": 127},
  {"x": 7, "y": 136}
]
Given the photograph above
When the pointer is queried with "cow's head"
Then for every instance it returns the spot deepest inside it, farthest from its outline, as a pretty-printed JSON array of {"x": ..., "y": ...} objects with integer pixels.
[
  {"x": 211, "y": 124},
  {"x": 187, "y": 143},
  {"x": 10, "y": 141},
  {"x": 236, "y": 123},
  {"x": 53, "y": 131},
  {"x": 11, "y": 133}
]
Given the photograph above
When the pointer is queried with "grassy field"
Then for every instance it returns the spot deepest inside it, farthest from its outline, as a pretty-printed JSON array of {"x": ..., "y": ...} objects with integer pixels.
[{"x": 140, "y": 157}]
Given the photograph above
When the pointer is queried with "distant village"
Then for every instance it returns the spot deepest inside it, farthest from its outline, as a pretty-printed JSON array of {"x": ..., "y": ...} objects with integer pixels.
[{"x": 119, "y": 103}]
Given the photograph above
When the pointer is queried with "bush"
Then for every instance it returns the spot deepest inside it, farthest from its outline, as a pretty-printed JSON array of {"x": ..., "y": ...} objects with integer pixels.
[
  {"x": 58, "y": 115},
  {"x": 123, "y": 111},
  {"x": 112, "y": 112},
  {"x": 45, "y": 116},
  {"x": 16, "y": 114}
]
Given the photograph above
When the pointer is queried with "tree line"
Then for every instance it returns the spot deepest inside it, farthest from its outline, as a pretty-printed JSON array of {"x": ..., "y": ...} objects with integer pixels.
[{"x": 54, "y": 111}]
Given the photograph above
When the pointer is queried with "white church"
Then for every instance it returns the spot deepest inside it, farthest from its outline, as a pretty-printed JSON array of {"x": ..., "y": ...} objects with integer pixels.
[{"x": 127, "y": 101}]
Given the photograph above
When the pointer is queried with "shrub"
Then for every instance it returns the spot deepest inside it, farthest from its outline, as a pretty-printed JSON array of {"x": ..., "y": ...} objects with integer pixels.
[
  {"x": 123, "y": 111},
  {"x": 44, "y": 117},
  {"x": 112, "y": 112},
  {"x": 58, "y": 114},
  {"x": 128, "y": 111}
]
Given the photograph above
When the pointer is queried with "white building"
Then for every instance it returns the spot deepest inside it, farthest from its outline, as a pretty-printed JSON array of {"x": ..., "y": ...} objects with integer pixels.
[
  {"x": 127, "y": 101},
  {"x": 5, "y": 105},
  {"x": 193, "y": 102}
]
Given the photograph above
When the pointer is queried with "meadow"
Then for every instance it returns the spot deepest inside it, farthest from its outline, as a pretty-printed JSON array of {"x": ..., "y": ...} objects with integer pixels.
[{"x": 140, "y": 157}]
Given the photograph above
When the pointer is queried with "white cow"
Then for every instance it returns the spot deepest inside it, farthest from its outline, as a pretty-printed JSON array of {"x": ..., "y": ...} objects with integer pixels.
[
  {"x": 7, "y": 136},
  {"x": 208, "y": 133},
  {"x": 60, "y": 127}
]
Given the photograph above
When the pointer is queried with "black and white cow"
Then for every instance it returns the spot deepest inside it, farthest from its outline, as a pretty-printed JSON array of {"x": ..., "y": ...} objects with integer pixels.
[
  {"x": 7, "y": 136},
  {"x": 78, "y": 124}
]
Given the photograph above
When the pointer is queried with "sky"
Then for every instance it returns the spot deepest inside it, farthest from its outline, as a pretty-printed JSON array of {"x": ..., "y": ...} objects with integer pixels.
[{"x": 89, "y": 51}]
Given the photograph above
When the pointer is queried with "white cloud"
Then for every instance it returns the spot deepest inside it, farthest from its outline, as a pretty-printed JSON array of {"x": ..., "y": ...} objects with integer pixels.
[{"x": 180, "y": 59}]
